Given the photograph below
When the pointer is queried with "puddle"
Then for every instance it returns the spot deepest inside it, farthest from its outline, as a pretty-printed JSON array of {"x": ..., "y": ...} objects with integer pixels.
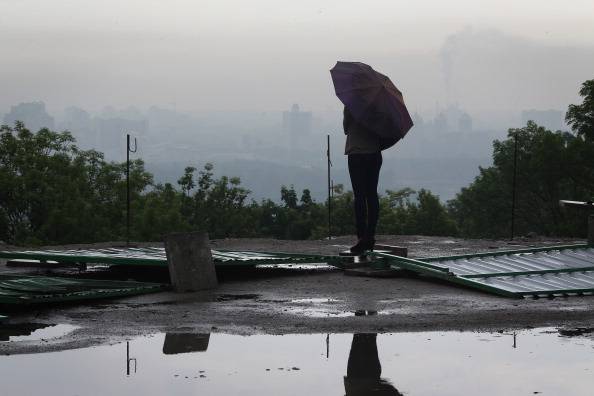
[
  {"x": 305, "y": 266},
  {"x": 33, "y": 332},
  {"x": 236, "y": 297},
  {"x": 314, "y": 300},
  {"x": 318, "y": 313},
  {"x": 314, "y": 308},
  {"x": 542, "y": 361}
]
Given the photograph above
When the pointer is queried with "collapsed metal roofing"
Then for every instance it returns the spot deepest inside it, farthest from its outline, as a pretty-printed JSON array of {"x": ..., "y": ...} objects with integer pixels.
[
  {"x": 552, "y": 271},
  {"x": 20, "y": 289},
  {"x": 157, "y": 256}
]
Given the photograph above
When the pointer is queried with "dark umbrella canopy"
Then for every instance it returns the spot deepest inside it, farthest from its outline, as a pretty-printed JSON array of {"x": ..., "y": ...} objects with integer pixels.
[{"x": 373, "y": 100}]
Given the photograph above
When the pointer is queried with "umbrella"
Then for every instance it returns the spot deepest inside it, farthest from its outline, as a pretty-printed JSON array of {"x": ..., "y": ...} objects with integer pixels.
[{"x": 373, "y": 101}]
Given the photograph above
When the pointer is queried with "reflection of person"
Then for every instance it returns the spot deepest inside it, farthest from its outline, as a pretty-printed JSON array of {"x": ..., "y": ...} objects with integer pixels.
[
  {"x": 364, "y": 161},
  {"x": 364, "y": 369}
]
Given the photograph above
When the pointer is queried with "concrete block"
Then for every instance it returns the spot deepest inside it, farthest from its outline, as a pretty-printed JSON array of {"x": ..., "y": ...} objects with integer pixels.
[
  {"x": 395, "y": 250},
  {"x": 190, "y": 262}
]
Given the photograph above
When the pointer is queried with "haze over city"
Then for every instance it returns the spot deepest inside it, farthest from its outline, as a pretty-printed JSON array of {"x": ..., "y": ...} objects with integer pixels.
[{"x": 239, "y": 65}]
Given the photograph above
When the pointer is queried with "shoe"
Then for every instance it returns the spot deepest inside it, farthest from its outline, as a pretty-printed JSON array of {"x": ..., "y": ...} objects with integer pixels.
[
  {"x": 359, "y": 246},
  {"x": 369, "y": 243}
]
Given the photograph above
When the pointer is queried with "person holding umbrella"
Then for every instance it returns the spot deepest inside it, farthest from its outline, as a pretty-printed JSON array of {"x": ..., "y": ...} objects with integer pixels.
[
  {"x": 375, "y": 118},
  {"x": 364, "y": 163}
]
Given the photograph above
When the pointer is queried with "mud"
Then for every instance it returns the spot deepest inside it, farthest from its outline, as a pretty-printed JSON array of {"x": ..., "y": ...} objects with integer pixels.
[{"x": 307, "y": 300}]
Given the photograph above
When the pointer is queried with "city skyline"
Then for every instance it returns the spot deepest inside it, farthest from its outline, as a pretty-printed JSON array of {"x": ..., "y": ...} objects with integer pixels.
[
  {"x": 489, "y": 59},
  {"x": 440, "y": 154}
]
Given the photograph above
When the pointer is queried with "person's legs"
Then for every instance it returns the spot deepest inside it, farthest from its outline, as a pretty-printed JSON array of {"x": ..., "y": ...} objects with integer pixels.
[
  {"x": 364, "y": 170},
  {"x": 373, "y": 167},
  {"x": 357, "y": 172}
]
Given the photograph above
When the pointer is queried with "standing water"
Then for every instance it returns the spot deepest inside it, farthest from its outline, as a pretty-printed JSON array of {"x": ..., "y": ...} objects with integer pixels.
[{"x": 531, "y": 362}]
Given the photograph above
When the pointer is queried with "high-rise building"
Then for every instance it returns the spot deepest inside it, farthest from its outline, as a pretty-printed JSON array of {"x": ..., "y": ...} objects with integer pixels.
[
  {"x": 32, "y": 114},
  {"x": 465, "y": 123},
  {"x": 297, "y": 127}
]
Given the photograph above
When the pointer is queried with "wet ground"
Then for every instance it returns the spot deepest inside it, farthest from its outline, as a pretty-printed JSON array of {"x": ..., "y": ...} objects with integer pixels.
[
  {"x": 540, "y": 361},
  {"x": 303, "y": 300}
]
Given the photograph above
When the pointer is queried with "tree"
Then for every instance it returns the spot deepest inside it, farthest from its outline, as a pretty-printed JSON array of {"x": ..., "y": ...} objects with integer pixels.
[
  {"x": 33, "y": 170},
  {"x": 217, "y": 206},
  {"x": 289, "y": 197},
  {"x": 548, "y": 166},
  {"x": 393, "y": 211},
  {"x": 581, "y": 117},
  {"x": 429, "y": 217},
  {"x": 52, "y": 192},
  {"x": 160, "y": 214}
]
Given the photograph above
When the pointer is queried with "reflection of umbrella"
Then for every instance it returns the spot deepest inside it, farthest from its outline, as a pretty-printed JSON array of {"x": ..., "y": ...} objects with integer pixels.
[{"x": 373, "y": 100}]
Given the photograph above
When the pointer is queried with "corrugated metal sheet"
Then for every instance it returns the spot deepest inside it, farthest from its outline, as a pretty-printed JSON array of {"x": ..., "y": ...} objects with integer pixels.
[
  {"x": 20, "y": 289},
  {"x": 157, "y": 256},
  {"x": 563, "y": 270}
]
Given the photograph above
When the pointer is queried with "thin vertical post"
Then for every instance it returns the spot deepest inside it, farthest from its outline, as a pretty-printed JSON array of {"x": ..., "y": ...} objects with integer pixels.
[
  {"x": 128, "y": 217},
  {"x": 329, "y": 192},
  {"x": 513, "y": 210}
]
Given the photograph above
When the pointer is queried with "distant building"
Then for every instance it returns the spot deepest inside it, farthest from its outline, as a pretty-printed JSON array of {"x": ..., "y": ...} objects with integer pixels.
[
  {"x": 465, "y": 123},
  {"x": 32, "y": 114},
  {"x": 297, "y": 126},
  {"x": 550, "y": 119},
  {"x": 452, "y": 119},
  {"x": 78, "y": 122},
  {"x": 113, "y": 131},
  {"x": 441, "y": 123}
]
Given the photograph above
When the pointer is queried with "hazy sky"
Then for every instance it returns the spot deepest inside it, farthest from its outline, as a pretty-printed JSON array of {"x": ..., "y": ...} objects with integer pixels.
[{"x": 263, "y": 55}]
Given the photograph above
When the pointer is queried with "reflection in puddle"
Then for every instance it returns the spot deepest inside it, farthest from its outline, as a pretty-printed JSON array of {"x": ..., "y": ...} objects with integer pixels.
[
  {"x": 185, "y": 343},
  {"x": 544, "y": 361},
  {"x": 33, "y": 331},
  {"x": 314, "y": 300},
  {"x": 316, "y": 308},
  {"x": 318, "y": 312},
  {"x": 303, "y": 266}
]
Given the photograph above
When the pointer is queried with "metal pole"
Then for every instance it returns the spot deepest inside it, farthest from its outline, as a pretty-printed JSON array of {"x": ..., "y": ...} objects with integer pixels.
[
  {"x": 128, "y": 190},
  {"x": 128, "y": 358},
  {"x": 128, "y": 151},
  {"x": 514, "y": 187},
  {"x": 329, "y": 193}
]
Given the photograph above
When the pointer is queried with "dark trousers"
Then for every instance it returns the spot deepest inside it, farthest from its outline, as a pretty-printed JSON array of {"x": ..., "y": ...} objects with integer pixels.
[{"x": 364, "y": 170}]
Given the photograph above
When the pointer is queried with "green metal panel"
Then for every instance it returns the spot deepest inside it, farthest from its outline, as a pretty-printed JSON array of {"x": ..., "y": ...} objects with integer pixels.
[
  {"x": 560, "y": 270},
  {"x": 20, "y": 289},
  {"x": 24, "y": 289},
  {"x": 157, "y": 256}
]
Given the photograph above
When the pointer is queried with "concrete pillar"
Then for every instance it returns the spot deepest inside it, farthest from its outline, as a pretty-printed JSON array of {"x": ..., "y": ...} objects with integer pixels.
[
  {"x": 190, "y": 262},
  {"x": 591, "y": 230}
]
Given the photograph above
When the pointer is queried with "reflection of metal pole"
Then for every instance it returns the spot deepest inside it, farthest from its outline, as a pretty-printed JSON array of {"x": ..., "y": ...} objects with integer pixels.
[
  {"x": 514, "y": 187},
  {"x": 514, "y": 334},
  {"x": 329, "y": 193},
  {"x": 327, "y": 346},
  {"x": 128, "y": 151},
  {"x": 128, "y": 359}
]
